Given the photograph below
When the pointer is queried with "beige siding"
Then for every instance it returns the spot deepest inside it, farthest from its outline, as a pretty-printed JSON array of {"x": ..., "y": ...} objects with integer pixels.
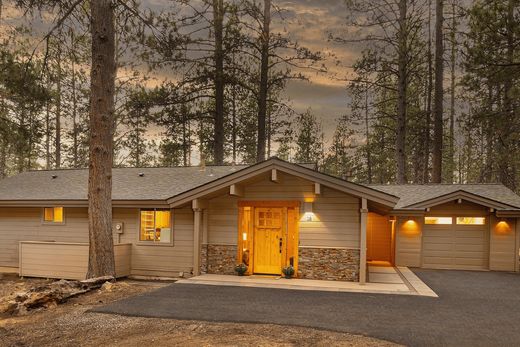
[
  {"x": 502, "y": 247},
  {"x": 159, "y": 260},
  {"x": 65, "y": 260},
  {"x": 408, "y": 241},
  {"x": 336, "y": 221},
  {"x": 25, "y": 224},
  {"x": 123, "y": 259}
]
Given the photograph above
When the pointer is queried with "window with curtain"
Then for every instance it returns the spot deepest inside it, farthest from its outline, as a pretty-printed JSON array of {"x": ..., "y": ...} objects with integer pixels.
[
  {"x": 53, "y": 215},
  {"x": 155, "y": 226}
]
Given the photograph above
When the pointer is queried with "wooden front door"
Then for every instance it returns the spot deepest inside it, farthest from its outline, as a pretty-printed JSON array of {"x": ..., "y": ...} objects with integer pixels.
[{"x": 269, "y": 240}]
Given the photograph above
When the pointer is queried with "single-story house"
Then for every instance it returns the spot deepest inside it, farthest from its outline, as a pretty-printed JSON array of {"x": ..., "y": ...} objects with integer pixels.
[{"x": 183, "y": 221}]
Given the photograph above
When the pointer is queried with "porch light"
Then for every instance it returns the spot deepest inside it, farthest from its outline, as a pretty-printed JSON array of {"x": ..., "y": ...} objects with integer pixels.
[
  {"x": 308, "y": 214},
  {"x": 244, "y": 236}
]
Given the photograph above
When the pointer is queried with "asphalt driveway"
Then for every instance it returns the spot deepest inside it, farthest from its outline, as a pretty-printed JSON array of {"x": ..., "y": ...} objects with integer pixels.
[{"x": 473, "y": 309}]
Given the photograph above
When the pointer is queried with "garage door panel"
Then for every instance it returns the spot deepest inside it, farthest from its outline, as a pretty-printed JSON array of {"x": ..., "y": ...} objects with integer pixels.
[{"x": 455, "y": 247}]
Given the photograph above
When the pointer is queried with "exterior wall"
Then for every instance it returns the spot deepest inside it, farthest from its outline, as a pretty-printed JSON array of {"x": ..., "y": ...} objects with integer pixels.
[
  {"x": 25, "y": 224},
  {"x": 329, "y": 264},
  {"x": 408, "y": 242},
  {"x": 219, "y": 259},
  {"x": 65, "y": 260},
  {"x": 335, "y": 225},
  {"x": 159, "y": 260},
  {"x": 502, "y": 245}
]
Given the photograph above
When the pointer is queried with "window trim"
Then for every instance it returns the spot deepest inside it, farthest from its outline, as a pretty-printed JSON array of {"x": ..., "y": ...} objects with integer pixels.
[
  {"x": 45, "y": 222},
  {"x": 154, "y": 243}
]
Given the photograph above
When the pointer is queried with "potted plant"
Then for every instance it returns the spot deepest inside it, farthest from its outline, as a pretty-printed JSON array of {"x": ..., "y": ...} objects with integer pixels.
[
  {"x": 241, "y": 269},
  {"x": 288, "y": 271}
]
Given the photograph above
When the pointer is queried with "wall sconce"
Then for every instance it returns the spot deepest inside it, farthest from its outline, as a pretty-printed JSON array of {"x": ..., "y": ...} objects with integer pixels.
[
  {"x": 244, "y": 236},
  {"x": 307, "y": 212}
]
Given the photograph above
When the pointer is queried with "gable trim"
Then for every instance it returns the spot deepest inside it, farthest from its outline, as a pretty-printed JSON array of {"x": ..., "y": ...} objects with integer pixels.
[
  {"x": 288, "y": 168},
  {"x": 460, "y": 194}
]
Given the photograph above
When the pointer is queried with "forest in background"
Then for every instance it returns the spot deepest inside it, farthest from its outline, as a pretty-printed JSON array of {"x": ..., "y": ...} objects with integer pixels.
[{"x": 433, "y": 96}]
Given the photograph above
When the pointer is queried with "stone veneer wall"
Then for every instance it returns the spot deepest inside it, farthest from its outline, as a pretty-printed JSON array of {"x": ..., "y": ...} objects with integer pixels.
[
  {"x": 328, "y": 264},
  {"x": 218, "y": 259}
]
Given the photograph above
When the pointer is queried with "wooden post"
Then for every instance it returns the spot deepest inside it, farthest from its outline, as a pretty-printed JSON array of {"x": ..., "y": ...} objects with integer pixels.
[
  {"x": 197, "y": 232},
  {"x": 363, "y": 242}
]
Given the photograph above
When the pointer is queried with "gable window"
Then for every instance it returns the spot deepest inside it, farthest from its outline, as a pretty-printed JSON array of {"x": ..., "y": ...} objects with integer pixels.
[
  {"x": 155, "y": 226},
  {"x": 471, "y": 220},
  {"x": 53, "y": 214},
  {"x": 438, "y": 220}
]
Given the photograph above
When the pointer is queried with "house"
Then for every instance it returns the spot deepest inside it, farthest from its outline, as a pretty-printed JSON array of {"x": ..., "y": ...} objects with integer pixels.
[{"x": 183, "y": 221}]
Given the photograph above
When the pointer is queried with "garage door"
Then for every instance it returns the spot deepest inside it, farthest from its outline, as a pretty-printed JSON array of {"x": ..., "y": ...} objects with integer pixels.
[{"x": 456, "y": 246}]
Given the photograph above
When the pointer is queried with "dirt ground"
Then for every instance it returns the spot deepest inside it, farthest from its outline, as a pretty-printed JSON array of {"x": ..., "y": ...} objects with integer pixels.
[{"x": 70, "y": 325}]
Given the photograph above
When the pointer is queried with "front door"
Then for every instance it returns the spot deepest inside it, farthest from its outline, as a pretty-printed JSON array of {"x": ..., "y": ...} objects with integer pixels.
[{"x": 269, "y": 240}]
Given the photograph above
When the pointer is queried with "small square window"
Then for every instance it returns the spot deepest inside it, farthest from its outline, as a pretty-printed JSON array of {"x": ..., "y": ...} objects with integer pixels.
[
  {"x": 438, "y": 220},
  {"x": 156, "y": 226},
  {"x": 471, "y": 220},
  {"x": 53, "y": 215}
]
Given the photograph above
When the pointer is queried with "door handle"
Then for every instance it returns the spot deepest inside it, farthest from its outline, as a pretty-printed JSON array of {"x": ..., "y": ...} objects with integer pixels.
[{"x": 281, "y": 243}]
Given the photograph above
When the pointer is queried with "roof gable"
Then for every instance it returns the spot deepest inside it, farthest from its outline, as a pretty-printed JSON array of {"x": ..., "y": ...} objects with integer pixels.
[
  {"x": 414, "y": 197},
  {"x": 379, "y": 197}
]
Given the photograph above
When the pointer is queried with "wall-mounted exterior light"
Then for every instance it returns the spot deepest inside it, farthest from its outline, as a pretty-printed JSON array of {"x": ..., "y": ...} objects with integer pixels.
[{"x": 308, "y": 214}]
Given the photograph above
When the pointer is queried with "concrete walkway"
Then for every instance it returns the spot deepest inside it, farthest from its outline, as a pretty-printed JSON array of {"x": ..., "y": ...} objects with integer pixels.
[{"x": 383, "y": 280}]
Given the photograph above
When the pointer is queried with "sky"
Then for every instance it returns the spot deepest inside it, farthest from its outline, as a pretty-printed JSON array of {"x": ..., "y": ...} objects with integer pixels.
[{"x": 309, "y": 22}]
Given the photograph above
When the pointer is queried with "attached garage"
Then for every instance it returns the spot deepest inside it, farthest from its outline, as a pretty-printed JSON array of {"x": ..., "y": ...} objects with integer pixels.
[
  {"x": 456, "y": 245},
  {"x": 459, "y": 227}
]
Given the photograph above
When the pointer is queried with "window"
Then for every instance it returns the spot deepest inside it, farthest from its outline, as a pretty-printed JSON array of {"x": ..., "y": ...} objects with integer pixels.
[
  {"x": 53, "y": 214},
  {"x": 438, "y": 220},
  {"x": 471, "y": 220},
  {"x": 155, "y": 226}
]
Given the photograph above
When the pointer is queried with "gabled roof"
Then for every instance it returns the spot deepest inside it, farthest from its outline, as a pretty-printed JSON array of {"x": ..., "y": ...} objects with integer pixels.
[
  {"x": 173, "y": 186},
  {"x": 72, "y": 184},
  {"x": 417, "y": 196},
  {"x": 373, "y": 195}
]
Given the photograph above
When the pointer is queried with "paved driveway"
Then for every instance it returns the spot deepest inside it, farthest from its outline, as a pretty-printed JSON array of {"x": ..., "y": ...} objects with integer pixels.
[{"x": 473, "y": 309}]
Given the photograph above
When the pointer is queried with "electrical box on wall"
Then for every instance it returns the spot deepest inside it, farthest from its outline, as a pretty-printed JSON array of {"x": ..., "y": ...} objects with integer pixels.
[{"x": 118, "y": 227}]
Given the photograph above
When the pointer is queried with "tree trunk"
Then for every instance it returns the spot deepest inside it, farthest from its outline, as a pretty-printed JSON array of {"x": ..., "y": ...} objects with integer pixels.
[
  {"x": 218, "y": 19},
  {"x": 103, "y": 71},
  {"x": 438, "y": 94},
  {"x": 57, "y": 138},
  {"x": 429, "y": 87},
  {"x": 264, "y": 74},
  {"x": 400, "y": 145},
  {"x": 451, "y": 145},
  {"x": 367, "y": 134},
  {"x": 48, "y": 133},
  {"x": 75, "y": 143}
]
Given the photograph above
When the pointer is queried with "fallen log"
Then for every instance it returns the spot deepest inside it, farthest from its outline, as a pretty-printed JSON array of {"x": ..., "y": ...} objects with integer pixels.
[{"x": 50, "y": 295}]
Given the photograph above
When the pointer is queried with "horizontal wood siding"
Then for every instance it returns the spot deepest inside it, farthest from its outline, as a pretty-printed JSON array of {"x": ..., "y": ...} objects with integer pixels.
[
  {"x": 336, "y": 221},
  {"x": 123, "y": 259},
  {"x": 159, "y": 260},
  {"x": 65, "y": 260},
  {"x": 25, "y": 224},
  {"x": 502, "y": 246},
  {"x": 408, "y": 241}
]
